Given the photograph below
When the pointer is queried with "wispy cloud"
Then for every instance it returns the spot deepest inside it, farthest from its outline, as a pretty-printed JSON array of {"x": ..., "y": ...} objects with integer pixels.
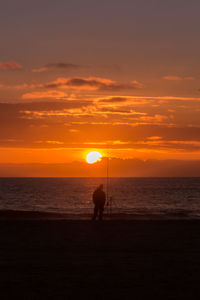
[
  {"x": 113, "y": 100},
  {"x": 45, "y": 95},
  {"x": 54, "y": 66},
  {"x": 178, "y": 78},
  {"x": 39, "y": 70},
  {"x": 83, "y": 124},
  {"x": 12, "y": 65},
  {"x": 49, "y": 142}
]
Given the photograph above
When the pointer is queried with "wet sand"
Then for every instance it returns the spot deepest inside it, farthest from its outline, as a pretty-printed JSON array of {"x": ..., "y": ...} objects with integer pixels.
[{"x": 63, "y": 259}]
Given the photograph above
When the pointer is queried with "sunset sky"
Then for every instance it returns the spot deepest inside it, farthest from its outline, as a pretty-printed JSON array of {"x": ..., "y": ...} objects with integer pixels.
[{"x": 119, "y": 77}]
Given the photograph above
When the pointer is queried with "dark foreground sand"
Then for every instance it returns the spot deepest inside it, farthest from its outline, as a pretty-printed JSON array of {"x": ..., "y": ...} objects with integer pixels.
[{"x": 57, "y": 259}]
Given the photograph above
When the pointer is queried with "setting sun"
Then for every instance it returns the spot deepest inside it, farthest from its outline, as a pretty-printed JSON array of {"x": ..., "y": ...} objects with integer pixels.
[{"x": 93, "y": 157}]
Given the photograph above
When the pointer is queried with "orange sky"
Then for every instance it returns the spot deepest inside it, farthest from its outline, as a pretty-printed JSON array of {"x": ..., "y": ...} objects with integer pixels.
[
  {"x": 71, "y": 83},
  {"x": 129, "y": 126}
]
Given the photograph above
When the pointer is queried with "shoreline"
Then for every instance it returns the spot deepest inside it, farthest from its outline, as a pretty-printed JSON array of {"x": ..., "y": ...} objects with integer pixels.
[{"x": 7, "y": 214}]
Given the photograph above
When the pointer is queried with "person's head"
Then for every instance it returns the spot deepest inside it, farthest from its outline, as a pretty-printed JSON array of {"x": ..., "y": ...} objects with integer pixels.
[{"x": 100, "y": 187}]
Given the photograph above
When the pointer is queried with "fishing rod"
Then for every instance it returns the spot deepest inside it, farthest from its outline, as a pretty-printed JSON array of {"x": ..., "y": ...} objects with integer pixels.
[
  {"x": 108, "y": 197},
  {"x": 110, "y": 201}
]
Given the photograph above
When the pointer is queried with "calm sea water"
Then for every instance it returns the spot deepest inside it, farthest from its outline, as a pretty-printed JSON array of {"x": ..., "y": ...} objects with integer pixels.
[{"x": 152, "y": 197}]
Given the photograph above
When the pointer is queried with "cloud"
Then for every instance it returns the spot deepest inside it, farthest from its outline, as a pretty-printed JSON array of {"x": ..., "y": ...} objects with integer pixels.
[
  {"x": 156, "y": 118},
  {"x": 92, "y": 83},
  {"x": 63, "y": 66},
  {"x": 140, "y": 126},
  {"x": 137, "y": 84},
  {"x": 120, "y": 110},
  {"x": 73, "y": 130},
  {"x": 23, "y": 86},
  {"x": 109, "y": 143},
  {"x": 49, "y": 142},
  {"x": 153, "y": 138},
  {"x": 53, "y": 66},
  {"x": 44, "y": 95},
  {"x": 12, "y": 65},
  {"x": 113, "y": 100},
  {"x": 178, "y": 78},
  {"x": 40, "y": 70}
]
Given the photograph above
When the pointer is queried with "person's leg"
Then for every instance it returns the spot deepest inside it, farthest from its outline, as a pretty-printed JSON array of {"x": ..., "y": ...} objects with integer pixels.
[
  {"x": 95, "y": 213},
  {"x": 101, "y": 209}
]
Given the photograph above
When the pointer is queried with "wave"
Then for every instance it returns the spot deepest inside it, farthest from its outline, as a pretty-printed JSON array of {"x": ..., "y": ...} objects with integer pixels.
[{"x": 41, "y": 215}]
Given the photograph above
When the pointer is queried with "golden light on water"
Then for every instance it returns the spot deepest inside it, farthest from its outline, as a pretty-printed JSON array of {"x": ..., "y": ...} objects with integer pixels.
[{"x": 93, "y": 157}]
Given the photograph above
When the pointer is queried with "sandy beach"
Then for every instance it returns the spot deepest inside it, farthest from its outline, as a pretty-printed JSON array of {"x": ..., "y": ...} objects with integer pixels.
[{"x": 63, "y": 259}]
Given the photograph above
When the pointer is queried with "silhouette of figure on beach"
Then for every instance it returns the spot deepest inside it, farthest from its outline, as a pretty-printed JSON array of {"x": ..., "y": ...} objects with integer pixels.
[{"x": 99, "y": 200}]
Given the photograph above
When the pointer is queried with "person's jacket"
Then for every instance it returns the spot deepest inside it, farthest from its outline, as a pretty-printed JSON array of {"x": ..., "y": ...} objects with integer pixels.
[{"x": 99, "y": 197}]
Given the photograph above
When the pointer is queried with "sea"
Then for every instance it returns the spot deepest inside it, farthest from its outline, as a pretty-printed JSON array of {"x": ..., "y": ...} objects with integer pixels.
[{"x": 132, "y": 198}]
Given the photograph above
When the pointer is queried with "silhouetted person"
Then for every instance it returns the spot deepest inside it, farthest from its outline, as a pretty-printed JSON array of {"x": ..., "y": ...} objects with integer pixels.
[{"x": 99, "y": 199}]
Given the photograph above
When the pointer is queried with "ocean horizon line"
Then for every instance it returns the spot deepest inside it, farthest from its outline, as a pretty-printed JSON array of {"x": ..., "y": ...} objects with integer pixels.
[{"x": 157, "y": 177}]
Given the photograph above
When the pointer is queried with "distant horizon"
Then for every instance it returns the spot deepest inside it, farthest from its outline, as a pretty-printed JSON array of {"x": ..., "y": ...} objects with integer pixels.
[
  {"x": 125, "y": 168},
  {"x": 99, "y": 177}
]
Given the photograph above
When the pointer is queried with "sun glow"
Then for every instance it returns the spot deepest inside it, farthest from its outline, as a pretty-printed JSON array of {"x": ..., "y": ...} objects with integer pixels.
[{"x": 93, "y": 157}]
